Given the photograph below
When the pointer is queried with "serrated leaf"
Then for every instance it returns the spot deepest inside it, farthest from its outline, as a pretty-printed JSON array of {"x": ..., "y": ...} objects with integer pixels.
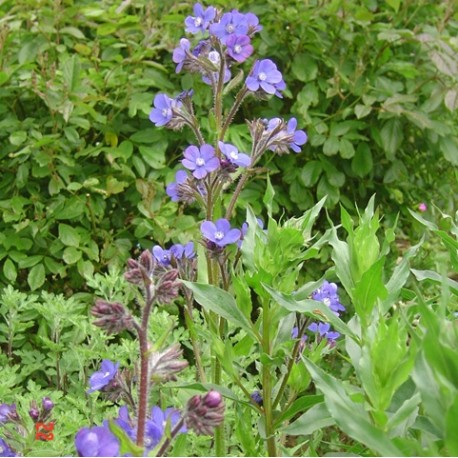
[{"x": 36, "y": 277}]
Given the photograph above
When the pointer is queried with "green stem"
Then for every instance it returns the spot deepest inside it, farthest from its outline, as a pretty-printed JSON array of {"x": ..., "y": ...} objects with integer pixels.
[
  {"x": 267, "y": 382},
  {"x": 195, "y": 343},
  {"x": 168, "y": 441},
  {"x": 238, "y": 101}
]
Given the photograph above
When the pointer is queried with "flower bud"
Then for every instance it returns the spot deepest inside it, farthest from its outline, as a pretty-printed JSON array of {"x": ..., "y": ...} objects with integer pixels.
[
  {"x": 34, "y": 413},
  {"x": 47, "y": 404},
  {"x": 203, "y": 414},
  {"x": 112, "y": 316},
  {"x": 167, "y": 287},
  {"x": 164, "y": 365}
]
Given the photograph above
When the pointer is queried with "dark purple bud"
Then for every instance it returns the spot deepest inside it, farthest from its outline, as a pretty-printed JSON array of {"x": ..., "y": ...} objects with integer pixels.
[
  {"x": 112, "y": 316},
  {"x": 47, "y": 404},
  {"x": 204, "y": 414},
  {"x": 212, "y": 399},
  {"x": 257, "y": 398},
  {"x": 146, "y": 260},
  {"x": 167, "y": 287},
  {"x": 34, "y": 412}
]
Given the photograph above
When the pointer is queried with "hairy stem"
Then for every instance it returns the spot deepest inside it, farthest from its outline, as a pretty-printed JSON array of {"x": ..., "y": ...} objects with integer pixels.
[
  {"x": 168, "y": 441},
  {"x": 144, "y": 376},
  {"x": 195, "y": 343}
]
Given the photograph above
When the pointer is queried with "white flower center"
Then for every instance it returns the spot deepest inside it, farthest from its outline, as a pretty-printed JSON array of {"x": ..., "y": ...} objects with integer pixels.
[
  {"x": 219, "y": 235},
  {"x": 147, "y": 441},
  {"x": 327, "y": 301},
  {"x": 233, "y": 155},
  {"x": 197, "y": 21},
  {"x": 166, "y": 112},
  {"x": 262, "y": 76},
  {"x": 230, "y": 28},
  {"x": 237, "y": 49},
  {"x": 107, "y": 374},
  {"x": 200, "y": 162},
  {"x": 213, "y": 56}
]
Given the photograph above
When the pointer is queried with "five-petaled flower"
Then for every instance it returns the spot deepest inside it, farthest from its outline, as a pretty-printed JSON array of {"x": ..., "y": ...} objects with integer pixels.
[
  {"x": 233, "y": 23},
  {"x": 233, "y": 155},
  {"x": 201, "y": 19},
  {"x": 162, "y": 113},
  {"x": 220, "y": 232},
  {"x": 265, "y": 76},
  {"x": 103, "y": 377},
  {"x": 201, "y": 160},
  {"x": 239, "y": 47}
]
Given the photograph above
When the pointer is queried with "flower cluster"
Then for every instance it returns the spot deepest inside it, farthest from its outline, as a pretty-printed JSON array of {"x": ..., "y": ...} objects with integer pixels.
[{"x": 327, "y": 294}]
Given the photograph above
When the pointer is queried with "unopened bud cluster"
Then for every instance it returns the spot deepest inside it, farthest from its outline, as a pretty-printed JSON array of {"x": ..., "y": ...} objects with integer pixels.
[{"x": 205, "y": 413}]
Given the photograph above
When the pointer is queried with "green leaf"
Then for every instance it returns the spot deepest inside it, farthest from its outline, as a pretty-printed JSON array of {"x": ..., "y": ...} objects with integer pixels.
[
  {"x": 304, "y": 67},
  {"x": 451, "y": 420},
  {"x": 351, "y": 417},
  {"x": 128, "y": 448},
  {"x": 362, "y": 110},
  {"x": 299, "y": 405},
  {"x": 71, "y": 72},
  {"x": 36, "y": 277},
  {"x": 394, "y": 4},
  {"x": 449, "y": 148},
  {"x": 368, "y": 289},
  {"x": 221, "y": 302},
  {"x": 315, "y": 418},
  {"x": 71, "y": 255},
  {"x": 362, "y": 162},
  {"x": 68, "y": 235},
  {"x": 331, "y": 146},
  {"x": 392, "y": 137},
  {"x": 346, "y": 149},
  {"x": 9, "y": 270},
  {"x": 451, "y": 99},
  {"x": 310, "y": 173},
  {"x": 18, "y": 138}
]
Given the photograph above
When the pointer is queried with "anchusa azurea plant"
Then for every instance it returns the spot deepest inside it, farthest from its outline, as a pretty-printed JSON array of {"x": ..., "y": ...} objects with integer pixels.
[{"x": 219, "y": 268}]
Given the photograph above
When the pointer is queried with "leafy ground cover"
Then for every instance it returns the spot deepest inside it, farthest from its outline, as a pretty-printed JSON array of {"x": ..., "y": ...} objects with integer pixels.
[{"x": 235, "y": 243}]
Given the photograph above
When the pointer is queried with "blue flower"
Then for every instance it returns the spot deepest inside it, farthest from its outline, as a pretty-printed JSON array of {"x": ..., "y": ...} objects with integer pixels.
[
  {"x": 327, "y": 294},
  {"x": 172, "y": 189},
  {"x": 233, "y": 155},
  {"x": 323, "y": 329},
  {"x": 96, "y": 441},
  {"x": 201, "y": 19},
  {"x": 220, "y": 232},
  {"x": 201, "y": 160},
  {"x": 239, "y": 47},
  {"x": 162, "y": 113},
  {"x": 162, "y": 256},
  {"x": 266, "y": 77},
  {"x": 180, "y": 54},
  {"x": 5, "y": 449},
  {"x": 103, "y": 377},
  {"x": 230, "y": 24},
  {"x": 7, "y": 412}
]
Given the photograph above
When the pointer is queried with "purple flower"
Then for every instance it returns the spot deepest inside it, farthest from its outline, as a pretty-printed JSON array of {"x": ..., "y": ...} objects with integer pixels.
[
  {"x": 162, "y": 256},
  {"x": 155, "y": 426},
  {"x": 230, "y": 23},
  {"x": 231, "y": 152},
  {"x": 201, "y": 161},
  {"x": 253, "y": 23},
  {"x": 180, "y": 54},
  {"x": 323, "y": 329},
  {"x": 265, "y": 76},
  {"x": 220, "y": 232},
  {"x": 299, "y": 136},
  {"x": 327, "y": 294},
  {"x": 96, "y": 441},
  {"x": 103, "y": 377},
  {"x": 5, "y": 449},
  {"x": 201, "y": 19},
  {"x": 179, "y": 250},
  {"x": 162, "y": 112},
  {"x": 7, "y": 412},
  {"x": 239, "y": 47},
  {"x": 124, "y": 421},
  {"x": 422, "y": 207},
  {"x": 172, "y": 189}
]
